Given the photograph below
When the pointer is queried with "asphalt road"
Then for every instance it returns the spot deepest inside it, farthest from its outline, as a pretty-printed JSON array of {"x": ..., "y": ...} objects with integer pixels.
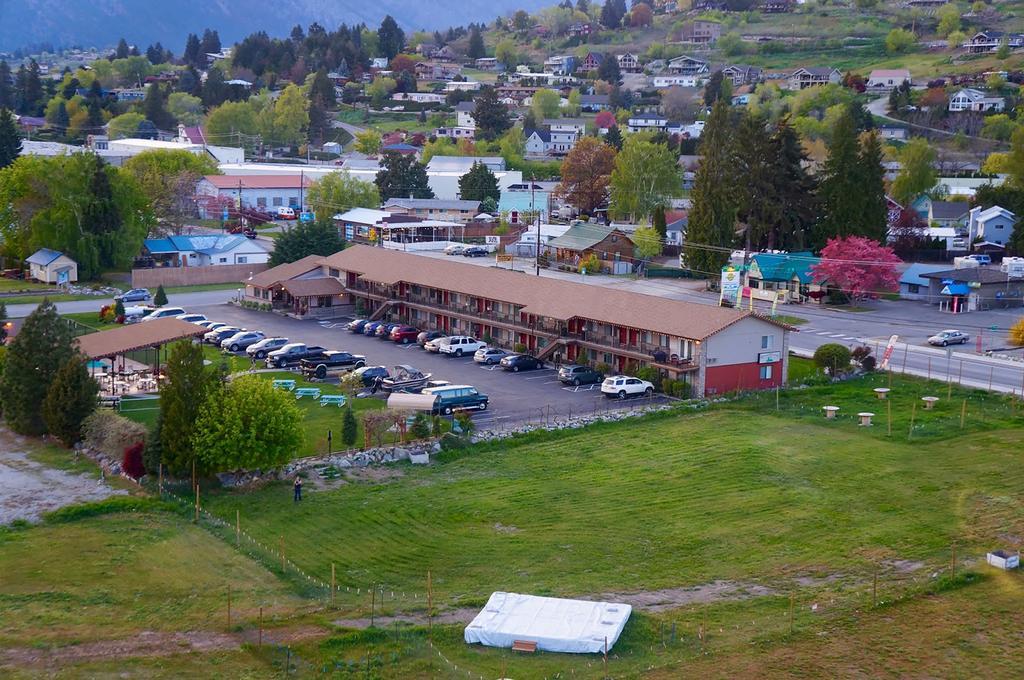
[{"x": 186, "y": 300}]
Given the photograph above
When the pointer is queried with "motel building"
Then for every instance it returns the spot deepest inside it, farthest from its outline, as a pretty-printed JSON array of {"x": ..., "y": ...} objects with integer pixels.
[{"x": 714, "y": 349}]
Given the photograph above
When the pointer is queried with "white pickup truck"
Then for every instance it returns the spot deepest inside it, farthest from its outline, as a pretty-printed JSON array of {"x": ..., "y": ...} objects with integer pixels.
[{"x": 458, "y": 345}]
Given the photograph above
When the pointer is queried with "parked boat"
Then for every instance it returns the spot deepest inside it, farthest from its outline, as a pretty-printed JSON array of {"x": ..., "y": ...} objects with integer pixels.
[{"x": 405, "y": 378}]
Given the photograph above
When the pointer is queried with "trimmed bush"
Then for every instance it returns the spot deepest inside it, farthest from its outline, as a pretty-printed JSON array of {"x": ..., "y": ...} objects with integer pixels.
[{"x": 832, "y": 357}]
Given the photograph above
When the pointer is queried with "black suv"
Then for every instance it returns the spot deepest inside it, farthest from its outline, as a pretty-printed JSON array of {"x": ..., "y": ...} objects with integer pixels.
[{"x": 579, "y": 375}]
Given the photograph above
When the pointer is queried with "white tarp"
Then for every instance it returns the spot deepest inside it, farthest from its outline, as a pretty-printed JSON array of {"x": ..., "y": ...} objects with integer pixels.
[{"x": 556, "y": 625}]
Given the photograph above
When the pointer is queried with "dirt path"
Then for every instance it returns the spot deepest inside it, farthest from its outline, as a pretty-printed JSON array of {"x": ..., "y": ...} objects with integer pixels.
[
  {"x": 29, "y": 489},
  {"x": 146, "y": 643}
]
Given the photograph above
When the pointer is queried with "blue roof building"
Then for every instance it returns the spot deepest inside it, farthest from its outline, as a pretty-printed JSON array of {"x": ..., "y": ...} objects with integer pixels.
[
  {"x": 205, "y": 250},
  {"x": 788, "y": 272}
]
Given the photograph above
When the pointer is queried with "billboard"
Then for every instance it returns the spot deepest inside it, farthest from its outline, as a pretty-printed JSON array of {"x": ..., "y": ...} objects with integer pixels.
[{"x": 730, "y": 286}]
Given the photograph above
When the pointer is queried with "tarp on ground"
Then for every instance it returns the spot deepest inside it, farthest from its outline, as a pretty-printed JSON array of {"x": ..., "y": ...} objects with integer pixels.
[{"x": 555, "y": 624}]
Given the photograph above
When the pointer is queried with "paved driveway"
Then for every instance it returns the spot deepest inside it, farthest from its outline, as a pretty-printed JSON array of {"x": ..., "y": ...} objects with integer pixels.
[{"x": 534, "y": 396}]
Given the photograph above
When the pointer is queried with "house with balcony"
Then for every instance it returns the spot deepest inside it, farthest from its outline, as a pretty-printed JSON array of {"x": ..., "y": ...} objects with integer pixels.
[
  {"x": 990, "y": 41},
  {"x": 591, "y": 62},
  {"x": 700, "y": 33},
  {"x": 812, "y": 76},
  {"x": 714, "y": 349},
  {"x": 970, "y": 99},
  {"x": 549, "y": 142},
  {"x": 642, "y": 122},
  {"x": 629, "y": 63},
  {"x": 742, "y": 74},
  {"x": 686, "y": 65},
  {"x": 437, "y": 70},
  {"x": 562, "y": 65}
]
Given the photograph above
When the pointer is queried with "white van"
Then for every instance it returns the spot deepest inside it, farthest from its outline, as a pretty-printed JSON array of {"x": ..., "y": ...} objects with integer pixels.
[
  {"x": 163, "y": 313},
  {"x": 285, "y": 213}
]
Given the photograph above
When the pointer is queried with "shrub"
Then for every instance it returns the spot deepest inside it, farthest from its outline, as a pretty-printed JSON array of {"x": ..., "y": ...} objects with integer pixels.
[
  {"x": 465, "y": 422},
  {"x": 832, "y": 357},
  {"x": 651, "y": 375},
  {"x": 520, "y": 348},
  {"x": 681, "y": 390},
  {"x": 591, "y": 263},
  {"x": 349, "y": 428},
  {"x": 420, "y": 426},
  {"x": 435, "y": 426},
  {"x": 603, "y": 368},
  {"x": 132, "y": 461},
  {"x": 868, "y": 363},
  {"x": 108, "y": 432},
  {"x": 108, "y": 506},
  {"x": 160, "y": 299}
]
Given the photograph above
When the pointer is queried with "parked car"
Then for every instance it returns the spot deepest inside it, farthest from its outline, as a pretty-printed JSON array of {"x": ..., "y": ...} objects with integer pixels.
[
  {"x": 331, "y": 363},
  {"x": 426, "y": 336},
  {"x": 475, "y": 251},
  {"x": 622, "y": 386},
  {"x": 454, "y": 249},
  {"x": 579, "y": 375},
  {"x": 208, "y": 324},
  {"x": 370, "y": 374},
  {"x": 163, "y": 313},
  {"x": 370, "y": 329},
  {"x": 292, "y": 353},
  {"x": 456, "y": 398},
  {"x": 403, "y": 335},
  {"x": 135, "y": 295},
  {"x": 261, "y": 349},
  {"x": 520, "y": 362},
  {"x": 489, "y": 355},
  {"x": 356, "y": 326},
  {"x": 240, "y": 341},
  {"x": 217, "y": 335},
  {"x": 286, "y": 213},
  {"x": 434, "y": 346},
  {"x": 949, "y": 337},
  {"x": 136, "y": 313},
  {"x": 383, "y": 331},
  {"x": 457, "y": 345},
  {"x": 981, "y": 258},
  {"x": 191, "y": 318}
]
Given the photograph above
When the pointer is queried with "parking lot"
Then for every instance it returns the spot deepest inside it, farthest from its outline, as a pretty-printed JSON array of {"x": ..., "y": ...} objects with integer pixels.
[{"x": 534, "y": 396}]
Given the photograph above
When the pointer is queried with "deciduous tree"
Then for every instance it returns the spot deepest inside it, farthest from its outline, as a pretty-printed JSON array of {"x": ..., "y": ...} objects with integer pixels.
[
  {"x": 545, "y": 104},
  {"x": 168, "y": 180},
  {"x": 337, "y": 192},
  {"x": 10, "y": 140},
  {"x": 586, "y": 174},
  {"x": 368, "y": 142},
  {"x": 917, "y": 171},
  {"x": 319, "y": 237},
  {"x": 858, "y": 266},
  {"x": 644, "y": 177}
]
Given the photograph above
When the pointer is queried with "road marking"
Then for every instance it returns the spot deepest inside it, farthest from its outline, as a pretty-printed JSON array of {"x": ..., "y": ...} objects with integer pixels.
[
  {"x": 536, "y": 377},
  {"x": 823, "y": 332},
  {"x": 835, "y": 335}
]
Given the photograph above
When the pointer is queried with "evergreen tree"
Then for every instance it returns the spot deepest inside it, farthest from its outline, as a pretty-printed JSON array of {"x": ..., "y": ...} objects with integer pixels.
[
  {"x": 61, "y": 119},
  {"x": 758, "y": 207},
  {"x": 613, "y": 138},
  {"x": 841, "y": 199},
  {"x": 70, "y": 400},
  {"x": 712, "y": 216},
  {"x": 874, "y": 209},
  {"x": 6, "y": 91},
  {"x": 28, "y": 90},
  {"x": 182, "y": 397},
  {"x": 94, "y": 122},
  {"x": 322, "y": 90},
  {"x": 476, "y": 48},
  {"x": 308, "y": 238},
  {"x": 154, "y": 55},
  {"x": 160, "y": 299},
  {"x": 122, "y": 51},
  {"x": 33, "y": 359},
  {"x": 609, "y": 69},
  {"x": 390, "y": 38},
  {"x": 215, "y": 89},
  {"x": 401, "y": 177},
  {"x": 319, "y": 123},
  {"x": 794, "y": 188},
  {"x": 154, "y": 107},
  {"x": 479, "y": 183},
  {"x": 349, "y": 428},
  {"x": 658, "y": 222},
  {"x": 101, "y": 217},
  {"x": 491, "y": 116},
  {"x": 153, "y": 453},
  {"x": 10, "y": 140},
  {"x": 3, "y": 326},
  {"x": 191, "y": 55},
  {"x": 210, "y": 43}
]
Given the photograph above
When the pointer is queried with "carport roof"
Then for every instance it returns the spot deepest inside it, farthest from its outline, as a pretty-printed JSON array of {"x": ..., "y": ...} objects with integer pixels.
[
  {"x": 136, "y": 336},
  {"x": 284, "y": 272},
  {"x": 542, "y": 296}
]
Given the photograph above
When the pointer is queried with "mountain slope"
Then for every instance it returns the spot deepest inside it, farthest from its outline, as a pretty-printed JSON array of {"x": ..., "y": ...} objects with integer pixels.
[{"x": 103, "y": 22}]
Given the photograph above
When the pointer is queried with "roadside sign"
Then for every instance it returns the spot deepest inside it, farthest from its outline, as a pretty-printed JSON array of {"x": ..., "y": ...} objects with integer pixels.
[
  {"x": 501, "y": 257},
  {"x": 889, "y": 348},
  {"x": 730, "y": 287},
  {"x": 492, "y": 240}
]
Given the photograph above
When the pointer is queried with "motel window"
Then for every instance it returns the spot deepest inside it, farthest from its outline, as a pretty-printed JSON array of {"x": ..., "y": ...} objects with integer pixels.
[
  {"x": 766, "y": 342},
  {"x": 223, "y": 260},
  {"x": 336, "y": 273},
  {"x": 242, "y": 259},
  {"x": 293, "y": 202},
  {"x": 766, "y": 372},
  {"x": 913, "y": 288},
  {"x": 261, "y": 201},
  {"x": 278, "y": 201}
]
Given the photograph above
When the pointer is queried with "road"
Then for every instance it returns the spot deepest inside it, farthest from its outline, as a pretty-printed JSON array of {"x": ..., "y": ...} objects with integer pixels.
[
  {"x": 186, "y": 300},
  {"x": 879, "y": 108}
]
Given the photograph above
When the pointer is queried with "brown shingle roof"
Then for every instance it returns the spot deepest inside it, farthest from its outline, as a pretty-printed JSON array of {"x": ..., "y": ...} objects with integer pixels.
[
  {"x": 307, "y": 287},
  {"x": 136, "y": 336},
  {"x": 543, "y": 296},
  {"x": 284, "y": 272}
]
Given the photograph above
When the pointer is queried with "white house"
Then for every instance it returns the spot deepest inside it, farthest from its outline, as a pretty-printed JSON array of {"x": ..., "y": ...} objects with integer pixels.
[
  {"x": 628, "y": 63},
  {"x": 462, "y": 85},
  {"x": 205, "y": 250},
  {"x": 969, "y": 99},
  {"x": 50, "y": 266},
  {"x": 882, "y": 79},
  {"x": 263, "y": 192},
  {"x": 420, "y": 97},
  {"x": 647, "y": 121},
  {"x": 464, "y": 115},
  {"x": 676, "y": 80},
  {"x": 550, "y": 142},
  {"x": 994, "y": 225},
  {"x": 577, "y": 126}
]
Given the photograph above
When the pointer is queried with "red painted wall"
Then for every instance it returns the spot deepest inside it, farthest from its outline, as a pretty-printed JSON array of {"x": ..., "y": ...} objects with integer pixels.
[{"x": 721, "y": 379}]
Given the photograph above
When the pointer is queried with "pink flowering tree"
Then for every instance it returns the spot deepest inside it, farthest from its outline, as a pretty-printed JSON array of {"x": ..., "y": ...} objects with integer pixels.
[
  {"x": 858, "y": 266},
  {"x": 605, "y": 119}
]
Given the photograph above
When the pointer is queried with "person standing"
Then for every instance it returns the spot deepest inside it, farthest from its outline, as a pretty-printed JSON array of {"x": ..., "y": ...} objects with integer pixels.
[{"x": 298, "y": 488}]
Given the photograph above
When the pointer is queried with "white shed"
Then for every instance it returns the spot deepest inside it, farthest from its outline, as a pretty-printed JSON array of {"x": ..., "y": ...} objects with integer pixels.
[{"x": 50, "y": 266}]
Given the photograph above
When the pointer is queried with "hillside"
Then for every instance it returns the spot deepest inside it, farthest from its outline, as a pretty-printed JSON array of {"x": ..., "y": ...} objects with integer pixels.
[{"x": 103, "y": 22}]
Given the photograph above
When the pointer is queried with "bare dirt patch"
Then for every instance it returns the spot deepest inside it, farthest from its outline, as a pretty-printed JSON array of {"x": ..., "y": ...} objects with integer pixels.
[
  {"x": 370, "y": 473},
  {"x": 462, "y": 615},
  {"x": 673, "y": 598},
  {"x": 146, "y": 643},
  {"x": 505, "y": 529}
]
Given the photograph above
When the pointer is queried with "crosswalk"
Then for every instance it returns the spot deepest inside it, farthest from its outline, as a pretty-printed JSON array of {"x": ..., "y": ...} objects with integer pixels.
[{"x": 807, "y": 330}]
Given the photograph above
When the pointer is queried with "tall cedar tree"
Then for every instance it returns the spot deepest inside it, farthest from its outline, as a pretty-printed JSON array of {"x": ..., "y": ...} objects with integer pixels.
[
  {"x": 476, "y": 48},
  {"x": 609, "y": 71},
  {"x": 304, "y": 239},
  {"x": 42, "y": 346},
  {"x": 10, "y": 140},
  {"x": 182, "y": 398},
  {"x": 390, "y": 38},
  {"x": 758, "y": 208},
  {"x": 586, "y": 173},
  {"x": 6, "y": 90},
  {"x": 659, "y": 223},
  {"x": 210, "y": 43},
  {"x": 349, "y": 427},
  {"x": 402, "y": 177},
  {"x": 153, "y": 452},
  {"x": 871, "y": 175},
  {"x": 491, "y": 116},
  {"x": 70, "y": 400},
  {"x": 712, "y": 216},
  {"x": 479, "y": 183},
  {"x": 796, "y": 189},
  {"x": 3, "y": 317},
  {"x": 154, "y": 107},
  {"x": 842, "y": 194},
  {"x": 613, "y": 138},
  {"x": 101, "y": 217}
]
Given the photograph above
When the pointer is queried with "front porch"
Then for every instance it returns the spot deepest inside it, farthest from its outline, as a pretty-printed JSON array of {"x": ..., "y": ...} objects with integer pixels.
[{"x": 319, "y": 298}]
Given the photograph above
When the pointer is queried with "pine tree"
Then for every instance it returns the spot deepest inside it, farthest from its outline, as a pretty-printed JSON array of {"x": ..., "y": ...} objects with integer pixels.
[
  {"x": 349, "y": 428},
  {"x": 712, "y": 216},
  {"x": 390, "y": 38},
  {"x": 659, "y": 223},
  {"x": 122, "y": 51},
  {"x": 33, "y": 359},
  {"x": 182, "y": 396},
  {"x": 191, "y": 55},
  {"x": 479, "y": 183},
  {"x": 758, "y": 207},
  {"x": 10, "y": 140},
  {"x": 210, "y": 43},
  {"x": 70, "y": 400},
  {"x": 796, "y": 189},
  {"x": 61, "y": 119},
  {"x": 3, "y": 325},
  {"x": 476, "y": 48},
  {"x": 101, "y": 217},
  {"x": 153, "y": 452},
  {"x": 154, "y": 107},
  {"x": 6, "y": 91},
  {"x": 613, "y": 138},
  {"x": 840, "y": 184},
  {"x": 874, "y": 209},
  {"x": 402, "y": 177},
  {"x": 491, "y": 116},
  {"x": 609, "y": 70},
  {"x": 160, "y": 299}
]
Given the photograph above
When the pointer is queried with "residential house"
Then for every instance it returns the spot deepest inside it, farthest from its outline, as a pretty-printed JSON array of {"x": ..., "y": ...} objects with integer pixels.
[
  {"x": 359, "y": 223},
  {"x": 464, "y": 117},
  {"x": 662, "y": 81},
  {"x": 886, "y": 79},
  {"x": 591, "y": 62},
  {"x": 629, "y": 63},
  {"x": 50, "y": 266},
  {"x": 402, "y": 149},
  {"x": 446, "y": 53},
  {"x": 460, "y": 165},
  {"x": 593, "y": 103},
  {"x": 688, "y": 66},
  {"x": 462, "y": 86},
  {"x": 563, "y": 65},
  {"x": 947, "y": 213},
  {"x": 205, "y": 250},
  {"x": 973, "y": 288},
  {"x": 190, "y": 134},
  {"x": 701, "y": 33},
  {"x": 642, "y": 122},
  {"x": 577, "y": 126},
  {"x": 437, "y": 70},
  {"x": 580, "y": 30},
  {"x": 548, "y": 142},
  {"x": 676, "y": 222},
  {"x": 420, "y": 97},
  {"x": 969, "y": 99},
  {"x": 515, "y": 95},
  {"x": 812, "y": 76},
  {"x": 714, "y": 349},
  {"x": 742, "y": 74},
  {"x": 526, "y": 244},
  {"x": 990, "y": 41},
  {"x": 776, "y": 6},
  {"x": 487, "y": 64},
  {"x": 426, "y": 50},
  {"x": 262, "y": 192},
  {"x": 894, "y": 133},
  {"x": 612, "y": 246},
  {"x": 914, "y": 286},
  {"x": 455, "y": 132},
  {"x": 709, "y": 5},
  {"x": 788, "y": 273},
  {"x": 433, "y": 209},
  {"x": 991, "y": 225}
]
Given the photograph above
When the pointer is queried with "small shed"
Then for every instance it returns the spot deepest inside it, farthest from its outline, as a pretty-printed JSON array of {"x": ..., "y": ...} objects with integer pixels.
[{"x": 50, "y": 266}]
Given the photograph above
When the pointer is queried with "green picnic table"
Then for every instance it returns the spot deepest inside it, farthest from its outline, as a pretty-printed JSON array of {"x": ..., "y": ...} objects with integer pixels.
[
  {"x": 284, "y": 385},
  {"x": 307, "y": 392},
  {"x": 335, "y": 399}
]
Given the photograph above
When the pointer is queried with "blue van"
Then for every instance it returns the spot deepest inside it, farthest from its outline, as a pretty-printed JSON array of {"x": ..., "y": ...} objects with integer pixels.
[{"x": 455, "y": 398}]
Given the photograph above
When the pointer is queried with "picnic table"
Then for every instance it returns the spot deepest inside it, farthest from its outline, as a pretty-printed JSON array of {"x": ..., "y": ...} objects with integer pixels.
[
  {"x": 284, "y": 385},
  {"x": 307, "y": 392},
  {"x": 335, "y": 399}
]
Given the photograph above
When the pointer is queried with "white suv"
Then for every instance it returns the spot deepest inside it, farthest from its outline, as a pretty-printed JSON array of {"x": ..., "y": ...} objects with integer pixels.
[
  {"x": 622, "y": 386},
  {"x": 457, "y": 345}
]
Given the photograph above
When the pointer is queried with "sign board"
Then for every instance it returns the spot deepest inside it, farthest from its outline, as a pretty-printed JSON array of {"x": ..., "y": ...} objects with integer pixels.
[
  {"x": 349, "y": 232},
  {"x": 888, "y": 352},
  {"x": 730, "y": 286},
  {"x": 513, "y": 217},
  {"x": 224, "y": 215},
  {"x": 372, "y": 234},
  {"x": 769, "y": 357},
  {"x": 492, "y": 240},
  {"x": 306, "y": 217},
  {"x": 501, "y": 257}
]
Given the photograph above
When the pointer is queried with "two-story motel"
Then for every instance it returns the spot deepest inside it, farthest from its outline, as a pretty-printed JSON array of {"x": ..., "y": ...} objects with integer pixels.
[{"x": 715, "y": 349}]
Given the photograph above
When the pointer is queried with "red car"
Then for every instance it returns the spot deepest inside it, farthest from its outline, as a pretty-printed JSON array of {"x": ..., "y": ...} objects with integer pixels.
[{"x": 403, "y": 335}]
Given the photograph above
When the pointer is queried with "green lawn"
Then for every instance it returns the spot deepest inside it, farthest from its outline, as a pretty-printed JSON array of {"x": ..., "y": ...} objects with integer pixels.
[{"x": 199, "y": 288}]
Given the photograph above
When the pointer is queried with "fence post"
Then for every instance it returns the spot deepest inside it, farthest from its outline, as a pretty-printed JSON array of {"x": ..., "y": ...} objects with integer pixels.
[
  {"x": 888, "y": 416},
  {"x": 197, "y": 504},
  {"x": 229, "y": 606}
]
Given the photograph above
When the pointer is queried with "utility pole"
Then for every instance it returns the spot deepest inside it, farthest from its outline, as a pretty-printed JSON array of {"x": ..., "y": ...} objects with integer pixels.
[
  {"x": 302, "y": 181},
  {"x": 533, "y": 208}
]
